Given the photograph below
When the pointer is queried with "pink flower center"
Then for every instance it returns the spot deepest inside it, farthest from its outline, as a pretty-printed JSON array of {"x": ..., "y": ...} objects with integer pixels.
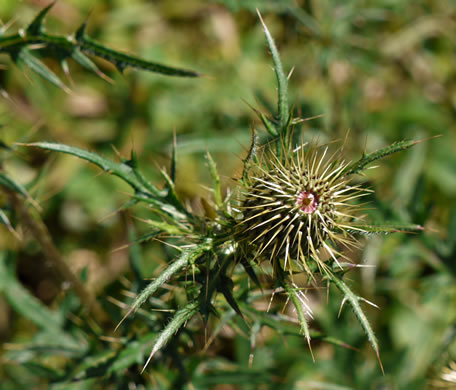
[{"x": 307, "y": 202}]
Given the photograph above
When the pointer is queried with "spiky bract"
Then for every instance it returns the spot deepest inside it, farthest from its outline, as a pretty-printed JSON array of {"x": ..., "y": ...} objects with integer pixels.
[
  {"x": 445, "y": 379},
  {"x": 296, "y": 205}
]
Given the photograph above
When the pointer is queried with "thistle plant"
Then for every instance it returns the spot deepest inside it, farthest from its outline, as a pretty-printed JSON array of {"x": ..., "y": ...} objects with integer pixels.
[{"x": 297, "y": 206}]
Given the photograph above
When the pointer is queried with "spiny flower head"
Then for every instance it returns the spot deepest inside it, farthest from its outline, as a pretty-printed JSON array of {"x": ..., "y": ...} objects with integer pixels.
[{"x": 296, "y": 205}]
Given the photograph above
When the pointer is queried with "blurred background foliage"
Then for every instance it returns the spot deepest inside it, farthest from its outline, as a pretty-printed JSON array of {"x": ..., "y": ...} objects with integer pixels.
[{"x": 381, "y": 70}]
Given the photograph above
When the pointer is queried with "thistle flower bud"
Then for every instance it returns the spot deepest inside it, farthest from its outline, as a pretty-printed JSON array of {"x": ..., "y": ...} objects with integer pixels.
[{"x": 296, "y": 204}]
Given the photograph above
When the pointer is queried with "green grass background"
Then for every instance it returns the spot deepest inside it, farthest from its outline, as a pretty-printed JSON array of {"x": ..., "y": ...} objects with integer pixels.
[{"x": 381, "y": 71}]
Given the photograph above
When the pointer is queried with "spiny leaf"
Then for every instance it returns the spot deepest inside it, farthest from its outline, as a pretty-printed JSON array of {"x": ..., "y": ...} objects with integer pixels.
[
  {"x": 132, "y": 353},
  {"x": 354, "y": 302},
  {"x": 292, "y": 293},
  {"x": 268, "y": 124},
  {"x": 87, "y": 63},
  {"x": 10, "y": 184},
  {"x": 133, "y": 163},
  {"x": 79, "y": 35},
  {"x": 110, "y": 361},
  {"x": 93, "y": 365},
  {"x": 123, "y": 60},
  {"x": 250, "y": 271},
  {"x": 179, "y": 319},
  {"x": 164, "y": 227},
  {"x": 125, "y": 170},
  {"x": 146, "y": 237},
  {"x": 215, "y": 179},
  {"x": 122, "y": 170},
  {"x": 366, "y": 159},
  {"x": 162, "y": 207},
  {"x": 282, "y": 80},
  {"x": 251, "y": 154},
  {"x": 25, "y": 57},
  {"x": 129, "y": 203},
  {"x": 42, "y": 371},
  {"x": 171, "y": 195},
  {"x": 36, "y": 26},
  {"x": 6, "y": 182},
  {"x": 183, "y": 260},
  {"x": 74, "y": 46},
  {"x": 387, "y": 228},
  {"x": 282, "y": 325},
  {"x": 226, "y": 288},
  {"x": 5, "y": 221}
]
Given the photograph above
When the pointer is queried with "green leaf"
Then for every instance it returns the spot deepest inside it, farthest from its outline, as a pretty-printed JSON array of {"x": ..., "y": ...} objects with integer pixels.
[
  {"x": 94, "y": 365},
  {"x": 162, "y": 207},
  {"x": 133, "y": 163},
  {"x": 122, "y": 170},
  {"x": 296, "y": 297},
  {"x": 215, "y": 179},
  {"x": 282, "y": 81},
  {"x": 5, "y": 221},
  {"x": 146, "y": 237},
  {"x": 123, "y": 60},
  {"x": 251, "y": 155},
  {"x": 164, "y": 227},
  {"x": 126, "y": 170},
  {"x": 353, "y": 300},
  {"x": 79, "y": 35},
  {"x": 179, "y": 319},
  {"x": 250, "y": 271},
  {"x": 182, "y": 261},
  {"x": 385, "y": 228},
  {"x": 6, "y": 182},
  {"x": 42, "y": 371},
  {"x": 25, "y": 57},
  {"x": 133, "y": 353},
  {"x": 17, "y": 46},
  {"x": 171, "y": 187},
  {"x": 366, "y": 159},
  {"x": 171, "y": 196},
  {"x": 268, "y": 124},
  {"x": 10, "y": 184},
  {"x": 285, "y": 327},
  {"x": 109, "y": 362},
  {"x": 48, "y": 342},
  {"x": 87, "y": 63},
  {"x": 226, "y": 286},
  {"x": 36, "y": 26}
]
